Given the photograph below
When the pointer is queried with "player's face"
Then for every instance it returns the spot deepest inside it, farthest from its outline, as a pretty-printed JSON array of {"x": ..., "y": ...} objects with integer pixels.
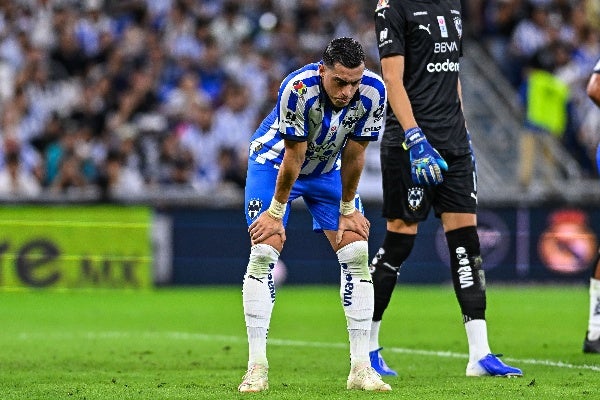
[{"x": 341, "y": 83}]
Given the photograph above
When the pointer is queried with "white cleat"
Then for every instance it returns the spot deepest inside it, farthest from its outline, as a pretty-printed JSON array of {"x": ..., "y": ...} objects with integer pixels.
[
  {"x": 364, "y": 377},
  {"x": 255, "y": 380}
]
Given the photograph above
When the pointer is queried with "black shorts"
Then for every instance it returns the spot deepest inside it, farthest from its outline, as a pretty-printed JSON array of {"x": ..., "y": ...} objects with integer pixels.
[{"x": 402, "y": 199}]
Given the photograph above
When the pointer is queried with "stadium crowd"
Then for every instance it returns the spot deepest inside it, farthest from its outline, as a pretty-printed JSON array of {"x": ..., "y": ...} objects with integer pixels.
[{"x": 121, "y": 98}]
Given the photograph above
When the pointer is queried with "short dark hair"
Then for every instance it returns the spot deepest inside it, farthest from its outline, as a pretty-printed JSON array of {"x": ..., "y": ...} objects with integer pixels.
[{"x": 345, "y": 51}]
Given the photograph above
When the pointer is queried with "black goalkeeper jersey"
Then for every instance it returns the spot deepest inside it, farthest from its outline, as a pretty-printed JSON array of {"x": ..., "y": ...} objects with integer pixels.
[{"x": 428, "y": 33}]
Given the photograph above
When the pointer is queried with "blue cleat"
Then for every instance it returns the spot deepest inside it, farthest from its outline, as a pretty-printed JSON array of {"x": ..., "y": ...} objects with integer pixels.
[
  {"x": 379, "y": 364},
  {"x": 491, "y": 365}
]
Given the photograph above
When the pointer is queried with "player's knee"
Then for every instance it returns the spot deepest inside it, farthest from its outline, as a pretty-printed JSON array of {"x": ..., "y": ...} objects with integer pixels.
[
  {"x": 354, "y": 259},
  {"x": 262, "y": 260}
]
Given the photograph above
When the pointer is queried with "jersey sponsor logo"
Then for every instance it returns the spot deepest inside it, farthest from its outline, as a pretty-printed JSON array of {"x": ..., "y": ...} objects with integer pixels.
[
  {"x": 383, "y": 34},
  {"x": 378, "y": 113},
  {"x": 290, "y": 117},
  {"x": 382, "y": 4},
  {"x": 257, "y": 148},
  {"x": 417, "y": 13},
  {"x": 254, "y": 207},
  {"x": 446, "y": 66},
  {"x": 445, "y": 47},
  {"x": 415, "y": 198},
  {"x": 458, "y": 25},
  {"x": 465, "y": 272},
  {"x": 442, "y": 23},
  {"x": 425, "y": 28},
  {"x": 455, "y": 12},
  {"x": 373, "y": 129},
  {"x": 300, "y": 88}
]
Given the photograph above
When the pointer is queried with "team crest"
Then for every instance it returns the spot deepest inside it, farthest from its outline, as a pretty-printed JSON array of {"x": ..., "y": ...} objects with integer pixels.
[
  {"x": 415, "y": 197},
  {"x": 458, "y": 25},
  {"x": 254, "y": 207},
  {"x": 300, "y": 88}
]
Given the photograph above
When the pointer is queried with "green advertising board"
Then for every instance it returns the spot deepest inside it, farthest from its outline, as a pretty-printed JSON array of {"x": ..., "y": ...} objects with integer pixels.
[{"x": 50, "y": 246}]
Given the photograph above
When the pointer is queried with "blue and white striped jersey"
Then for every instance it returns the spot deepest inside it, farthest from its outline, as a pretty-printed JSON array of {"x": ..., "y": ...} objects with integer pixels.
[{"x": 304, "y": 113}]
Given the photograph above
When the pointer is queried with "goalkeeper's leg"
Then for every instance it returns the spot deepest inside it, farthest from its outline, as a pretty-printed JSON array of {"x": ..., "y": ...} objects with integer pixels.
[
  {"x": 385, "y": 268},
  {"x": 469, "y": 285}
]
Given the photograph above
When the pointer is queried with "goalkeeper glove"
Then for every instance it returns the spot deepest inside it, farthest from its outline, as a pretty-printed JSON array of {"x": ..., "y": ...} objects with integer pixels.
[{"x": 425, "y": 162}]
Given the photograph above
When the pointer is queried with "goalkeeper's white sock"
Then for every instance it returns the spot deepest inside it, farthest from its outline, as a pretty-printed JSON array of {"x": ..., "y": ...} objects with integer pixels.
[
  {"x": 374, "y": 338},
  {"x": 594, "y": 320},
  {"x": 356, "y": 293},
  {"x": 258, "y": 293},
  {"x": 478, "y": 340}
]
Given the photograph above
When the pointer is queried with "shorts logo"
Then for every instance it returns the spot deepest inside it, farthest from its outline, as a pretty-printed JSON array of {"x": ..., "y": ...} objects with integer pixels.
[
  {"x": 254, "y": 207},
  {"x": 415, "y": 197}
]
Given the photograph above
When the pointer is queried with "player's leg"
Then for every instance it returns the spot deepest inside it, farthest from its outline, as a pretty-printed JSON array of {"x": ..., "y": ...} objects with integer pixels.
[
  {"x": 402, "y": 202},
  {"x": 385, "y": 268},
  {"x": 591, "y": 343},
  {"x": 322, "y": 196},
  {"x": 356, "y": 294},
  {"x": 258, "y": 289},
  {"x": 456, "y": 203}
]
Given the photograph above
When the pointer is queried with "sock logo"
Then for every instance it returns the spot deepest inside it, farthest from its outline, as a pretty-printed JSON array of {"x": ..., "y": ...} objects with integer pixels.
[
  {"x": 348, "y": 287},
  {"x": 271, "y": 283},
  {"x": 465, "y": 272},
  {"x": 597, "y": 308}
]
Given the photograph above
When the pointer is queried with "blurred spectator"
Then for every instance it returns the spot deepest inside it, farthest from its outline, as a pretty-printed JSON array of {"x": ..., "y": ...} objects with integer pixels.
[
  {"x": 15, "y": 181},
  {"x": 547, "y": 112},
  {"x": 117, "y": 180},
  {"x": 175, "y": 86}
]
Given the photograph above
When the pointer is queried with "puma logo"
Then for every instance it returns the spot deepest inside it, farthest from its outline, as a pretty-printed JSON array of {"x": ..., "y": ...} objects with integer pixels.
[{"x": 425, "y": 28}]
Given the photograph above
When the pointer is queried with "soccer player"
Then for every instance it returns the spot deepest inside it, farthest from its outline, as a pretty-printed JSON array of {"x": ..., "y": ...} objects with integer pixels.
[
  {"x": 427, "y": 162},
  {"x": 312, "y": 145},
  {"x": 591, "y": 343}
]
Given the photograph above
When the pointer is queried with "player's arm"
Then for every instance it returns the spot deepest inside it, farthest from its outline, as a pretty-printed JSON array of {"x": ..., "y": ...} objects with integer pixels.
[
  {"x": 593, "y": 88},
  {"x": 353, "y": 161},
  {"x": 426, "y": 162},
  {"x": 392, "y": 70},
  {"x": 289, "y": 170}
]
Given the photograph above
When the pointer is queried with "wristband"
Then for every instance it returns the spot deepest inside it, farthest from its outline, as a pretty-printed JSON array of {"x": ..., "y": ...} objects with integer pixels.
[
  {"x": 347, "y": 207},
  {"x": 276, "y": 209}
]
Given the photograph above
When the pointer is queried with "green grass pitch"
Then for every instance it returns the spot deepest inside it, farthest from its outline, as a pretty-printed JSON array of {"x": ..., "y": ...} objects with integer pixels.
[{"x": 190, "y": 344}]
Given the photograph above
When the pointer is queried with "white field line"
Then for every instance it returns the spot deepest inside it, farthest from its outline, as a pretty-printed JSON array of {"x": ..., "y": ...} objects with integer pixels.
[{"x": 282, "y": 342}]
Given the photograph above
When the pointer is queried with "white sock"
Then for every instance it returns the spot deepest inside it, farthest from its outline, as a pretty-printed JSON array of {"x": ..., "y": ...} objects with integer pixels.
[
  {"x": 258, "y": 293},
  {"x": 478, "y": 340},
  {"x": 356, "y": 293},
  {"x": 374, "y": 339},
  {"x": 594, "y": 320}
]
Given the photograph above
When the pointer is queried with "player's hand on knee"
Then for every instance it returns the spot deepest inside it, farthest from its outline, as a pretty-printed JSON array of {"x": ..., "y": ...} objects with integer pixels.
[
  {"x": 355, "y": 222},
  {"x": 264, "y": 227},
  {"x": 426, "y": 164}
]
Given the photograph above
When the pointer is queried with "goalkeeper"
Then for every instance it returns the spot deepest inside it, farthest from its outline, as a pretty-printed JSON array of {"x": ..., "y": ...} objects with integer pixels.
[{"x": 427, "y": 162}]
